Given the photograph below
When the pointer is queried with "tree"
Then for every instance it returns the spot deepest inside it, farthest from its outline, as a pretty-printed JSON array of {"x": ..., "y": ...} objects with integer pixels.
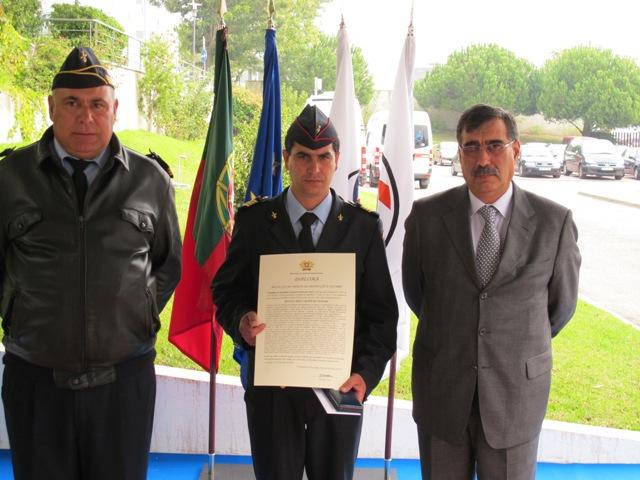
[
  {"x": 24, "y": 15},
  {"x": 480, "y": 74},
  {"x": 107, "y": 43},
  {"x": 320, "y": 61},
  {"x": 591, "y": 88}
]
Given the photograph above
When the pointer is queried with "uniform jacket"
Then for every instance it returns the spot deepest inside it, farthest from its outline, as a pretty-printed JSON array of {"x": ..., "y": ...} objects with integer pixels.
[
  {"x": 498, "y": 337},
  {"x": 265, "y": 228},
  {"x": 83, "y": 290}
]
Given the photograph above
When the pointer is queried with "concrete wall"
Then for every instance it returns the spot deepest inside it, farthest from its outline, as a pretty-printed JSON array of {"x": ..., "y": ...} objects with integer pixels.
[{"x": 181, "y": 425}]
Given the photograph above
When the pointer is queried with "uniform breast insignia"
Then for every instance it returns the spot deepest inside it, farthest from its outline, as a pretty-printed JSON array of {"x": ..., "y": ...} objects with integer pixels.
[
  {"x": 274, "y": 215},
  {"x": 340, "y": 217}
]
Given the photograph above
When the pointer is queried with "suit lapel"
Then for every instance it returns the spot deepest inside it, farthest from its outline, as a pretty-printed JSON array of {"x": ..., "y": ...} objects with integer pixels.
[
  {"x": 335, "y": 227},
  {"x": 520, "y": 230},
  {"x": 281, "y": 228},
  {"x": 457, "y": 224}
]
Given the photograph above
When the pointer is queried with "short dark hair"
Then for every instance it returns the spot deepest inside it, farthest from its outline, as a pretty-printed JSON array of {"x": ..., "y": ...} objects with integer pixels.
[{"x": 473, "y": 117}]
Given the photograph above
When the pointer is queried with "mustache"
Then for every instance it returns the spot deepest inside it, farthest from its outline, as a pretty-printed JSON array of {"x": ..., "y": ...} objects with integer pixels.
[{"x": 485, "y": 170}]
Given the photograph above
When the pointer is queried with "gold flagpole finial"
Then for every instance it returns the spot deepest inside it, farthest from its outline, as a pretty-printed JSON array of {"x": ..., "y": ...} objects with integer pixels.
[
  {"x": 341, "y": 20},
  {"x": 272, "y": 10},
  {"x": 221, "y": 11}
]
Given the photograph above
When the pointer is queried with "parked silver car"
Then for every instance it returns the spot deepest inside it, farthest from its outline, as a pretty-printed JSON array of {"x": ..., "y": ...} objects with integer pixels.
[{"x": 537, "y": 159}]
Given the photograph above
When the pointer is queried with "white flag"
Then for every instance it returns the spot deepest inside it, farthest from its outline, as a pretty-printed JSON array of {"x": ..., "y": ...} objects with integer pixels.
[
  {"x": 345, "y": 118},
  {"x": 395, "y": 187}
]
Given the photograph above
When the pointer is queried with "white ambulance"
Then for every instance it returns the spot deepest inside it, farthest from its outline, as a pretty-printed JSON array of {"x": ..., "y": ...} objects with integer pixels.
[{"x": 422, "y": 154}]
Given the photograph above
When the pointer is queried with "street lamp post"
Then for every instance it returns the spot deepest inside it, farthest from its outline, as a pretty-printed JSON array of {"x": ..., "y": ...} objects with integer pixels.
[{"x": 194, "y": 10}]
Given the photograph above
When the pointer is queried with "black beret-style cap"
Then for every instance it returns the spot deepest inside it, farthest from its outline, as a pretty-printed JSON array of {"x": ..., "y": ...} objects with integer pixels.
[
  {"x": 312, "y": 129},
  {"x": 81, "y": 69}
]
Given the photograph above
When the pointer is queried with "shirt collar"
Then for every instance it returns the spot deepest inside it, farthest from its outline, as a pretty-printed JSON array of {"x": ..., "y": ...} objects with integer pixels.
[
  {"x": 100, "y": 160},
  {"x": 502, "y": 204},
  {"x": 295, "y": 208}
]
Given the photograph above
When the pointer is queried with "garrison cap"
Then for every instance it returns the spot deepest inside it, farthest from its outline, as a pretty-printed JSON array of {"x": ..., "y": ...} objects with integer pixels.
[
  {"x": 81, "y": 69},
  {"x": 312, "y": 129}
]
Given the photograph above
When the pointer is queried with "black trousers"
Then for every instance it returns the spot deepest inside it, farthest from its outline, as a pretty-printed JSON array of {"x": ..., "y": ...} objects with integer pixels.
[
  {"x": 290, "y": 432},
  {"x": 99, "y": 433}
]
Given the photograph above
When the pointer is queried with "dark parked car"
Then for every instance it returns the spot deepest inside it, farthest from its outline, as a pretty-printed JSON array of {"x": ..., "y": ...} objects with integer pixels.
[
  {"x": 456, "y": 168},
  {"x": 593, "y": 156},
  {"x": 631, "y": 157},
  {"x": 444, "y": 152},
  {"x": 537, "y": 159}
]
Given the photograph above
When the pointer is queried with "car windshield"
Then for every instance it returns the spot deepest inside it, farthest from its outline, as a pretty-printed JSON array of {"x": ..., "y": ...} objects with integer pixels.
[
  {"x": 598, "y": 146},
  {"x": 535, "y": 150},
  {"x": 421, "y": 136},
  {"x": 448, "y": 148}
]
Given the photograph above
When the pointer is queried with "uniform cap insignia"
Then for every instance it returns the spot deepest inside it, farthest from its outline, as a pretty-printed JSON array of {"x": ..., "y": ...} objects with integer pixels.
[
  {"x": 274, "y": 215},
  {"x": 83, "y": 56}
]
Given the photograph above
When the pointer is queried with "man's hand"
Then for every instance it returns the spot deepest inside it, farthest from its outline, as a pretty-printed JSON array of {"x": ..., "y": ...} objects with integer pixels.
[
  {"x": 357, "y": 383},
  {"x": 250, "y": 327}
]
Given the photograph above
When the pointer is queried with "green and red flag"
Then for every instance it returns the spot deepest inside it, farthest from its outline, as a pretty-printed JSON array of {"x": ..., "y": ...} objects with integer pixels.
[{"x": 208, "y": 229}]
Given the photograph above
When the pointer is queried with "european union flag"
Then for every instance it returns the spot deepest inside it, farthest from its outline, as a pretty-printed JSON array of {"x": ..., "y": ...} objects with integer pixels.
[{"x": 265, "y": 179}]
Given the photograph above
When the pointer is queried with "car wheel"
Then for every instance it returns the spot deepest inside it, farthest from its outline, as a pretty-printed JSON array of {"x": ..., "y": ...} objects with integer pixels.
[
  {"x": 424, "y": 183},
  {"x": 618, "y": 177},
  {"x": 556, "y": 175},
  {"x": 581, "y": 173},
  {"x": 636, "y": 173},
  {"x": 566, "y": 171},
  {"x": 521, "y": 170}
]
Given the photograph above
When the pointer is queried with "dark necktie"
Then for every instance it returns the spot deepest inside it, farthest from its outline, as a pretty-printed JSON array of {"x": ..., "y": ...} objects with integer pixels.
[
  {"x": 79, "y": 178},
  {"x": 488, "y": 249},
  {"x": 304, "y": 238}
]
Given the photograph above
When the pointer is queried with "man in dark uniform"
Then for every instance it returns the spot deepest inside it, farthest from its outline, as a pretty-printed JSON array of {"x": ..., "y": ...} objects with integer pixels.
[
  {"x": 288, "y": 427},
  {"x": 89, "y": 256}
]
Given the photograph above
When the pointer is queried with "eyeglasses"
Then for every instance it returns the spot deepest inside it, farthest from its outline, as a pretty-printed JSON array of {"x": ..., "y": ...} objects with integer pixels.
[{"x": 493, "y": 148}]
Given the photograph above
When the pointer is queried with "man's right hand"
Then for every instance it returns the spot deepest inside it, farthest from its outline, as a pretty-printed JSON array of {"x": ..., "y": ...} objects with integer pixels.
[{"x": 251, "y": 327}]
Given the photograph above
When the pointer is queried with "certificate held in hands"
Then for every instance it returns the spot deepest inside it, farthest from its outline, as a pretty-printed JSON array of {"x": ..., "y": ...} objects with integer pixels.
[{"x": 307, "y": 301}]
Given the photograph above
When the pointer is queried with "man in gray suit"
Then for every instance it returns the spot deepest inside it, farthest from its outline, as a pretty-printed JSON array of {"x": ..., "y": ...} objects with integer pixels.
[{"x": 491, "y": 271}]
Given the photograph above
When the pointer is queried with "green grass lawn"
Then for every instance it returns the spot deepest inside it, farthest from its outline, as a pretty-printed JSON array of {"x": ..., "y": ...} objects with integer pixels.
[{"x": 596, "y": 374}]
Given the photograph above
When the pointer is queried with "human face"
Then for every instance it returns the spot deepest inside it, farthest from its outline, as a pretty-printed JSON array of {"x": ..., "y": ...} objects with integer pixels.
[
  {"x": 488, "y": 175},
  {"x": 83, "y": 119},
  {"x": 311, "y": 172}
]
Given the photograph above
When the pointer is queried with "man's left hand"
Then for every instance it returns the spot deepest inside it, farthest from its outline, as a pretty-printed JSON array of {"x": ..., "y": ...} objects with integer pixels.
[{"x": 357, "y": 383}]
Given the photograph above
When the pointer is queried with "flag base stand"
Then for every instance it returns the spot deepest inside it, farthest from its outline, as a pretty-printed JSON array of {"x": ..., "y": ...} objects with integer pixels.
[{"x": 208, "y": 469}]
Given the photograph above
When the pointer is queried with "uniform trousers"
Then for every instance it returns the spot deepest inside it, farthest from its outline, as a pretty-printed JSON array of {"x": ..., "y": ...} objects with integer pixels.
[
  {"x": 290, "y": 432},
  {"x": 441, "y": 460},
  {"x": 97, "y": 433}
]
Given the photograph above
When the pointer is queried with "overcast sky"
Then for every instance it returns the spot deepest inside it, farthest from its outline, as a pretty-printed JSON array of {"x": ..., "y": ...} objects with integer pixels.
[{"x": 533, "y": 30}]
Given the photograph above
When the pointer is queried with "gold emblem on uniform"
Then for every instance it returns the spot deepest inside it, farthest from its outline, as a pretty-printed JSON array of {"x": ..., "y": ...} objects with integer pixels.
[
  {"x": 83, "y": 56},
  {"x": 318, "y": 128},
  {"x": 340, "y": 217},
  {"x": 274, "y": 215},
  {"x": 306, "y": 265}
]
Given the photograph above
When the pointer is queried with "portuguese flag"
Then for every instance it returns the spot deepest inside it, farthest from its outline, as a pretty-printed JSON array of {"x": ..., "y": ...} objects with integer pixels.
[{"x": 208, "y": 230}]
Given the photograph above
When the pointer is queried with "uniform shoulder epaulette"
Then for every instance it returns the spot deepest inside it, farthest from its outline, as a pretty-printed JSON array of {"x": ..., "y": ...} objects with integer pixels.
[
  {"x": 164, "y": 165},
  {"x": 254, "y": 201},
  {"x": 6, "y": 152},
  {"x": 359, "y": 206}
]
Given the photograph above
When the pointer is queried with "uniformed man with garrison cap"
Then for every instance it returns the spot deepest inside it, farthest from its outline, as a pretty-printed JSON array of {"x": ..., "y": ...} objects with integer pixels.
[
  {"x": 89, "y": 255},
  {"x": 288, "y": 427}
]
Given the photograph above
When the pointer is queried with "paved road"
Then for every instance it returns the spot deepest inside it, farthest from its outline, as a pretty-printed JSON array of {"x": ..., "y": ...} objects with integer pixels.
[{"x": 607, "y": 213}]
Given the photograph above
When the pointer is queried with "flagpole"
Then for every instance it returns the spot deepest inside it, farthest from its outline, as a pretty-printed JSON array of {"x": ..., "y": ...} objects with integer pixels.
[
  {"x": 210, "y": 467},
  {"x": 389, "y": 432}
]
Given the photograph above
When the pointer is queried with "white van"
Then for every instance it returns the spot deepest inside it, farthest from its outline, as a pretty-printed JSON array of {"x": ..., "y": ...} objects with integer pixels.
[{"x": 422, "y": 154}]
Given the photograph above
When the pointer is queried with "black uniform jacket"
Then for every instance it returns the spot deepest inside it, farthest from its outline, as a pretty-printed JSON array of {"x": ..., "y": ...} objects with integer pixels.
[
  {"x": 264, "y": 228},
  {"x": 81, "y": 290}
]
